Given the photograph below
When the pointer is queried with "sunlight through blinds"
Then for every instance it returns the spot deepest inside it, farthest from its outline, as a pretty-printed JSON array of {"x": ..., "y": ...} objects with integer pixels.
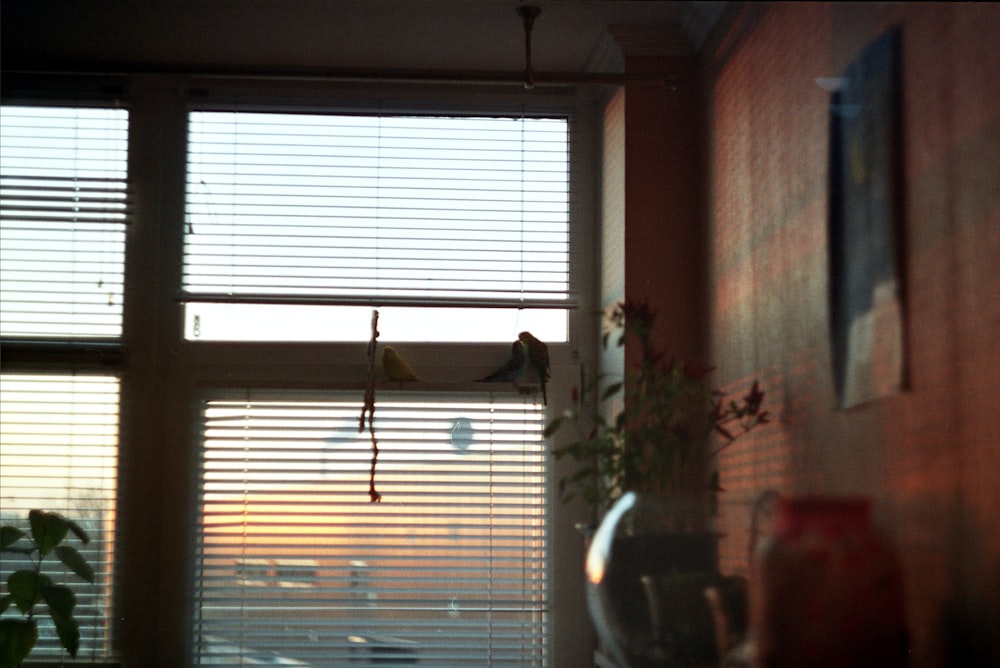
[
  {"x": 295, "y": 565},
  {"x": 63, "y": 210},
  {"x": 377, "y": 210},
  {"x": 58, "y": 452}
]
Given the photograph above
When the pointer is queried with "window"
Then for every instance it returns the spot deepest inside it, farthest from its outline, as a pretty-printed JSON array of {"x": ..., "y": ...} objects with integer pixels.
[
  {"x": 448, "y": 570},
  {"x": 64, "y": 208},
  {"x": 457, "y": 229},
  {"x": 58, "y": 451},
  {"x": 184, "y": 322},
  {"x": 297, "y": 224},
  {"x": 63, "y": 214}
]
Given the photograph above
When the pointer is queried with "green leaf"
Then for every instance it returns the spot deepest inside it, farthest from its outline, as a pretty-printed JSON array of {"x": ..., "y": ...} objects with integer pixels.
[
  {"x": 26, "y": 588},
  {"x": 76, "y": 562},
  {"x": 725, "y": 432},
  {"x": 47, "y": 529},
  {"x": 69, "y": 634},
  {"x": 60, "y": 599},
  {"x": 552, "y": 427},
  {"x": 17, "y": 638},
  {"x": 36, "y": 519},
  {"x": 5, "y": 602},
  {"x": 611, "y": 390},
  {"x": 10, "y": 535},
  {"x": 77, "y": 530}
]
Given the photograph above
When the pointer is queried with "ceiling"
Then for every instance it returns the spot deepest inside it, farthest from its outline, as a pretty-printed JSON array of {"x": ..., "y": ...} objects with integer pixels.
[{"x": 369, "y": 34}]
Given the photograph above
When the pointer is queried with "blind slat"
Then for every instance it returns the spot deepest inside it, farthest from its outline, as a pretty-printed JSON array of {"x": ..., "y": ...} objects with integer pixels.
[
  {"x": 449, "y": 569},
  {"x": 64, "y": 205},
  {"x": 59, "y": 454},
  {"x": 320, "y": 210}
]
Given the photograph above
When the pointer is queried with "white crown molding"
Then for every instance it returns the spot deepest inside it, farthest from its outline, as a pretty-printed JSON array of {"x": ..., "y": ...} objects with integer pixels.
[
  {"x": 683, "y": 38},
  {"x": 606, "y": 56},
  {"x": 699, "y": 19}
]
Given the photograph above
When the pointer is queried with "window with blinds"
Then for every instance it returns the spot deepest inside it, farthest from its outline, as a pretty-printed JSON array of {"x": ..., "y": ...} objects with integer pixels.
[
  {"x": 297, "y": 567},
  {"x": 297, "y": 224},
  {"x": 63, "y": 210},
  {"x": 58, "y": 452}
]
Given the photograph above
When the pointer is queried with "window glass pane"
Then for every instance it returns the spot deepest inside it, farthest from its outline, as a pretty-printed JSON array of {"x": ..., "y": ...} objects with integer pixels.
[
  {"x": 296, "y": 564},
  {"x": 387, "y": 211},
  {"x": 63, "y": 209},
  {"x": 257, "y": 322},
  {"x": 58, "y": 452}
]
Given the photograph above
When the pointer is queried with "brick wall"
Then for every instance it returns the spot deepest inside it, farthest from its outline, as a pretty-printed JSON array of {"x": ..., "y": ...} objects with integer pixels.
[{"x": 930, "y": 456}]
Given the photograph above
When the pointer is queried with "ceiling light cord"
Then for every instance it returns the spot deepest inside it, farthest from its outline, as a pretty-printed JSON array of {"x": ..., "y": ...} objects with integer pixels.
[{"x": 528, "y": 14}]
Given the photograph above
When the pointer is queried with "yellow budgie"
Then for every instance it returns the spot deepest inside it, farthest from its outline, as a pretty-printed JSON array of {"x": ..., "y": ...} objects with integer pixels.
[{"x": 395, "y": 366}]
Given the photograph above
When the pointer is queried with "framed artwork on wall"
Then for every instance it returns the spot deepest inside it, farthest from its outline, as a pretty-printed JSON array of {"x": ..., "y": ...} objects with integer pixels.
[{"x": 865, "y": 229}]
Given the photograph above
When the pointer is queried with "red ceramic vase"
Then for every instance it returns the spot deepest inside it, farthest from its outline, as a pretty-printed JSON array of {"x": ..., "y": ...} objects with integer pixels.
[{"x": 826, "y": 590}]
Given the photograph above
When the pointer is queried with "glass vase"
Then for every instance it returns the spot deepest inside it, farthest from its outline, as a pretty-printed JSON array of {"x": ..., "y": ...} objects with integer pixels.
[{"x": 647, "y": 587}]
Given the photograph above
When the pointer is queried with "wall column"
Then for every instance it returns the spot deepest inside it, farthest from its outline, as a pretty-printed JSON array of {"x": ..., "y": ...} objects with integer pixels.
[{"x": 664, "y": 195}]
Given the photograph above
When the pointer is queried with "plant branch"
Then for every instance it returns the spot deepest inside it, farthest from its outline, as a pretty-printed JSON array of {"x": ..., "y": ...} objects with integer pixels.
[{"x": 369, "y": 409}]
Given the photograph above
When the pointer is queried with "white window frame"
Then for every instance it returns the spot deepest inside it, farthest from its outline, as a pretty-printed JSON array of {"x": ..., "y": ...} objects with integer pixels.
[
  {"x": 166, "y": 375},
  {"x": 66, "y": 366}
]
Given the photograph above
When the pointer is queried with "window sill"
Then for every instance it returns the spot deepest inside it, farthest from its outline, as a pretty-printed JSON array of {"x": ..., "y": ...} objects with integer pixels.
[{"x": 71, "y": 663}]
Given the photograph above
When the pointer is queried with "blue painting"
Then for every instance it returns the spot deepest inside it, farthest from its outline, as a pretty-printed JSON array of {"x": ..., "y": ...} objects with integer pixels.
[{"x": 865, "y": 230}]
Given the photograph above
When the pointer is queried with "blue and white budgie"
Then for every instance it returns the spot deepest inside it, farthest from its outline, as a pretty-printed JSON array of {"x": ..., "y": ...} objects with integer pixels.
[
  {"x": 538, "y": 358},
  {"x": 513, "y": 368}
]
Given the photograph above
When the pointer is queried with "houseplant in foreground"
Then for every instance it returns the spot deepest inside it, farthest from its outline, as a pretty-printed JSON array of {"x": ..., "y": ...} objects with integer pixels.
[
  {"x": 649, "y": 470},
  {"x": 660, "y": 442},
  {"x": 28, "y": 588}
]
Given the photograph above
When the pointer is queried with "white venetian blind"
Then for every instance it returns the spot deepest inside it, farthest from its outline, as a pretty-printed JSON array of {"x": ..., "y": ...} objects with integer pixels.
[
  {"x": 307, "y": 211},
  {"x": 63, "y": 210},
  {"x": 58, "y": 452},
  {"x": 295, "y": 564}
]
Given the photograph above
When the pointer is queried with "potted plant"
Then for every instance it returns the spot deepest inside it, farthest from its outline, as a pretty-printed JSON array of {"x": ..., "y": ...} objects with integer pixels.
[
  {"x": 649, "y": 469},
  {"x": 660, "y": 441},
  {"x": 28, "y": 588}
]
